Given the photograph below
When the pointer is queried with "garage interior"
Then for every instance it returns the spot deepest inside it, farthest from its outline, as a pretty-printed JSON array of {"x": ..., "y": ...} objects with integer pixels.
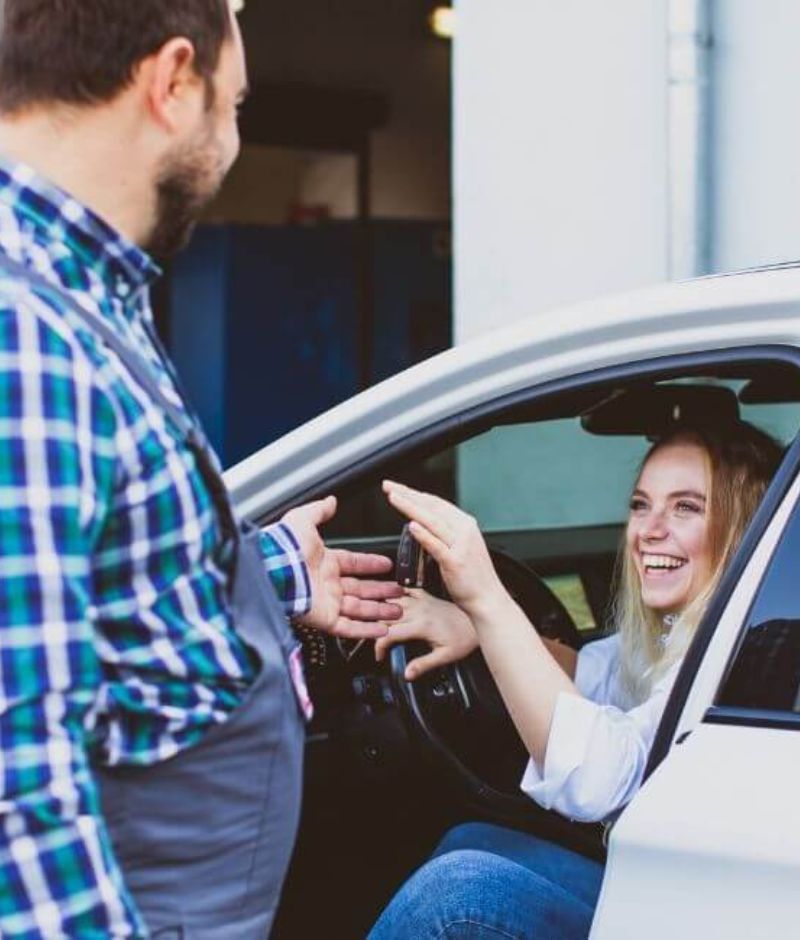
[{"x": 325, "y": 264}]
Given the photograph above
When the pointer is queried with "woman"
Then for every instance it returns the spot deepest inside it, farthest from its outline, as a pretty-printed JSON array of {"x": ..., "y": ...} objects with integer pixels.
[{"x": 587, "y": 719}]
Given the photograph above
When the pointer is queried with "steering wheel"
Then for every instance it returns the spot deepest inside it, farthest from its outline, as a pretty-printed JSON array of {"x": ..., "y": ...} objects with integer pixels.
[{"x": 457, "y": 713}]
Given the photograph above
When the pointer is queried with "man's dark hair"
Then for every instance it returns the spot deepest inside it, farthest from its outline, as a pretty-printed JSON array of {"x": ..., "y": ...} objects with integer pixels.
[{"x": 86, "y": 52}]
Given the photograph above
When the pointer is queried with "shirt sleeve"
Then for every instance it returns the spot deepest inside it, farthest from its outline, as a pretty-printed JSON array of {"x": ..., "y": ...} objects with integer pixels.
[
  {"x": 596, "y": 752},
  {"x": 596, "y": 670},
  {"x": 57, "y": 868},
  {"x": 287, "y": 569}
]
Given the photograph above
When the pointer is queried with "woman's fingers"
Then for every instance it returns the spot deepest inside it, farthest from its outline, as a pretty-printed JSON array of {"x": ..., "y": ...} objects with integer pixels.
[
  {"x": 438, "y": 657},
  {"x": 435, "y": 514},
  {"x": 398, "y": 633},
  {"x": 422, "y": 664}
]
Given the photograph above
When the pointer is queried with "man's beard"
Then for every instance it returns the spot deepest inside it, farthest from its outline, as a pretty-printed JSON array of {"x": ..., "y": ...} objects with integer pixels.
[{"x": 186, "y": 185}]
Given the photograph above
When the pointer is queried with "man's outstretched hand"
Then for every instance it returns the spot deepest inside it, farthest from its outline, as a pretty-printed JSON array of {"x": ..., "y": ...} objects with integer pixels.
[{"x": 346, "y": 601}]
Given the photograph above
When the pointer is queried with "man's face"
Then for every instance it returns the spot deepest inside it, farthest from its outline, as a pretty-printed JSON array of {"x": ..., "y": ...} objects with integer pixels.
[{"x": 192, "y": 173}]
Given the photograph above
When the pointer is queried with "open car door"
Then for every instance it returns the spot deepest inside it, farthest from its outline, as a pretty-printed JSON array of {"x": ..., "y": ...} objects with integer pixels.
[{"x": 710, "y": 846}]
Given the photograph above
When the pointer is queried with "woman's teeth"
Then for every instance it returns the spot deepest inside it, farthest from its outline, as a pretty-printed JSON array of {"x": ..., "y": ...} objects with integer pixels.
[{"x": 662, "y": 561}]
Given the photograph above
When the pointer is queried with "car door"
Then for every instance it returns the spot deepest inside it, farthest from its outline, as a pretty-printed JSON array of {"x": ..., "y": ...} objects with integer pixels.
[{"x": 710, "y": 847}]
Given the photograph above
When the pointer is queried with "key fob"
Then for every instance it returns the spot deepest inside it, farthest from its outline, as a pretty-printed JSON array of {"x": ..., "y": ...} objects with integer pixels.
[{"x": 410, "y": 565}]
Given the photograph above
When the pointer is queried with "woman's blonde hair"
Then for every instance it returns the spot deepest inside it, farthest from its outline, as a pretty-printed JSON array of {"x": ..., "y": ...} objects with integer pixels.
[{"x": 740, "y": 462}]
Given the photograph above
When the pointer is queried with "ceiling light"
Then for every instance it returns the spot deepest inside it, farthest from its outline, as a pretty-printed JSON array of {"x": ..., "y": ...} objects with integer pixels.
[{"x": 443, "y": 22}]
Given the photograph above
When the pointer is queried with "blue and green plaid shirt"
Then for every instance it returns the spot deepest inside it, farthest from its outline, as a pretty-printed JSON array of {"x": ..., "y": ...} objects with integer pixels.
[{"x": 116, "y": 642}]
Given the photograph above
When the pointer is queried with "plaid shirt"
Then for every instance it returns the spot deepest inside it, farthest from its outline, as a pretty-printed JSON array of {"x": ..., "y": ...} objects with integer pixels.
[{"x": 116, "y": 641}]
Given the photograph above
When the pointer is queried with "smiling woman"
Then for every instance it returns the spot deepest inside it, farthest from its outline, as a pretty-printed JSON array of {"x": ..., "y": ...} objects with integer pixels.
[
  {"x": 695, "y": 494},
  {"x": 667, "y": 532},
  {"x": 587, "y": 719}
]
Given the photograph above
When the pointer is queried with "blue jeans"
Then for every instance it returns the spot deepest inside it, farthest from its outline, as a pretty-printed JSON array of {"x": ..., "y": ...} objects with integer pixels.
[{"x": 485, "y": 882}]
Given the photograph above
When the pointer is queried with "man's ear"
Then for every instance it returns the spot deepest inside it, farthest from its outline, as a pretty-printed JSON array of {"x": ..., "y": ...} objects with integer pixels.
[{"x": 171, "y": 84}]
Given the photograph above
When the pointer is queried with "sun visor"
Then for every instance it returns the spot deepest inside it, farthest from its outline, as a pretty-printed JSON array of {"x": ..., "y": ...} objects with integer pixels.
[{"x": 652, "y": 410}]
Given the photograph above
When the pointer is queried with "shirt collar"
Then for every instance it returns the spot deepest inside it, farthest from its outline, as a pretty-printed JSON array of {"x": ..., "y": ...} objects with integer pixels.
[{"x": 55, "y": 216}]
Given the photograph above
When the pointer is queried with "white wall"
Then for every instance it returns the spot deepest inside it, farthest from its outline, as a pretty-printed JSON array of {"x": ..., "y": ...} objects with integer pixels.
[
  {"x": 756, "y": 145},
  {"x": 560, "y": 185}
]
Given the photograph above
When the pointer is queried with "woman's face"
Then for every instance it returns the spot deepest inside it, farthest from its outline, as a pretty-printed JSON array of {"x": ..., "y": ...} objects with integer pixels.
[{"x": 667, "y": 534}]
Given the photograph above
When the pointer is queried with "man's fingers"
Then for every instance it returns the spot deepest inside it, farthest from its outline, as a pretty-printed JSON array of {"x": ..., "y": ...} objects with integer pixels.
[
  {"x": 372, "y": 590},
  {"x": 316, "y": 513},
  {"x": 361, "y": 563},
  {"x": 357, "y": 608},
  {"x": 358, "y": 629}
]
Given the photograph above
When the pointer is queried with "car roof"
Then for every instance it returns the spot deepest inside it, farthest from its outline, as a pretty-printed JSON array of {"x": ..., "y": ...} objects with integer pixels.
[{"x": 738, "y": 310}]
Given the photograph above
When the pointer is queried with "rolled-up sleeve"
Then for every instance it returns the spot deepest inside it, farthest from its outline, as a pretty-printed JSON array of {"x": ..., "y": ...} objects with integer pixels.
[
  {"x": 596, "y": 752},
  {"x": 287, "y": 569}
]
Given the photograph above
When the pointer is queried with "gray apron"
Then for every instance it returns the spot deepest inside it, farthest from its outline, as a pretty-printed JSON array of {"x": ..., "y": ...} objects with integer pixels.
[{"x": 204, "y": 838}]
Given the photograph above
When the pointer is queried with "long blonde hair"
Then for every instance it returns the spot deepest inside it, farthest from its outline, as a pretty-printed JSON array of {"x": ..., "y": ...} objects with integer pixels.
[{"x": 740, "y": 461}]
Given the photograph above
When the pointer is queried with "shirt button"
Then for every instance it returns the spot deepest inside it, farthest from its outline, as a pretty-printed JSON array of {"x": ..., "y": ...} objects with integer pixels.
[{"x": 123, "y": 289}]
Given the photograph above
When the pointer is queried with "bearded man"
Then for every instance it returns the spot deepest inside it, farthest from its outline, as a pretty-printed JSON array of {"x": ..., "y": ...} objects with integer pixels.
[{"x": 151, "y": 694}]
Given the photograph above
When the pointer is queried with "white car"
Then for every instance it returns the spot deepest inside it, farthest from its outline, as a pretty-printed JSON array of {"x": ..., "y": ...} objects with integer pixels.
[{"x": 537, "y": 430}]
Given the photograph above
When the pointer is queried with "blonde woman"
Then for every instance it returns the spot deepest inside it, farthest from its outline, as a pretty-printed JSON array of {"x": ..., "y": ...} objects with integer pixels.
[{"x": 588, "y": 718}]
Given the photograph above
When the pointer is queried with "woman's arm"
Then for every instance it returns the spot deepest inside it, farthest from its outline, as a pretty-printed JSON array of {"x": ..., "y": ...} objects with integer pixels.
[
  {"x": 564, "y": 655},
  {"x": 527, "y": 674}
]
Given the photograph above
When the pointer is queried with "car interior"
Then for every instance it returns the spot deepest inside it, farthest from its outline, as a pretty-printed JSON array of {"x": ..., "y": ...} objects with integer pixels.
[{"x": 391, "y": 765}]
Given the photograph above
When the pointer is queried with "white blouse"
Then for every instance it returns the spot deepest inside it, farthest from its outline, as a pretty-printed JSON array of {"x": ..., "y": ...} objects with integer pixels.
[{"x": 597, "y": 750}]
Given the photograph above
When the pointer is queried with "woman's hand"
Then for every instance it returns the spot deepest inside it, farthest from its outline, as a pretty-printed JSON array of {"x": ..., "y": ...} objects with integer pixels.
[
  {"x": 527, "y": 675},
  {"x": 439, "y": 623},
  {"x": 452, "y": 538}
]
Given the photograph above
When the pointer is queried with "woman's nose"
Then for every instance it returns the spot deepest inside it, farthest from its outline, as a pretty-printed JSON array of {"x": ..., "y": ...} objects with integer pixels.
[{"x": 654, "y": 526}]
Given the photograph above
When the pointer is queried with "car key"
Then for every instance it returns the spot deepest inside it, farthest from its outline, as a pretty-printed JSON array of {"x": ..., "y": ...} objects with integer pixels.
[{"x": 410, "y": 565}]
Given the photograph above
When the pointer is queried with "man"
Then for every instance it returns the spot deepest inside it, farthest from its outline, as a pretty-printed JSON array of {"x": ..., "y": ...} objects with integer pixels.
[{"x": 151, "y": 698}]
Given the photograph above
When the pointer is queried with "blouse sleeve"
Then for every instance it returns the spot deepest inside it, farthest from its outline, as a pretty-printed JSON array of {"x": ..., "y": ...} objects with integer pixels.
[
  {"x": 596, "y": 671},
  {"x": 596, "y": 753}
]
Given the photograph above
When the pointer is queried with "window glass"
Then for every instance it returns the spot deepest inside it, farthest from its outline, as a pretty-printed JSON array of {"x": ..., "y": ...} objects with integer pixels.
[
  {"x": 516, "y": 478},
  {"x": 571, "y": 591},
  {"x": 532, "y": 476},
  {"x": 547, "y": 475},
  {"x": 766, "y": 670}
]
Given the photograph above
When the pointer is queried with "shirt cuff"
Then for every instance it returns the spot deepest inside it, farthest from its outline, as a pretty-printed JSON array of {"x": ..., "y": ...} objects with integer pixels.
[
  {"x": 287, "y": 569},
  {"x": 567, "y": 744}
]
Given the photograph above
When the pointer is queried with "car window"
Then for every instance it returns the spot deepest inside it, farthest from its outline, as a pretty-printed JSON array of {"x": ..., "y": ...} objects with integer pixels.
[
  {"x": 529, "y": 476},
  {"x": 765, "y": 672},
  {"x": 547, "y": 475},
  {"x": 547, "y": 492}
]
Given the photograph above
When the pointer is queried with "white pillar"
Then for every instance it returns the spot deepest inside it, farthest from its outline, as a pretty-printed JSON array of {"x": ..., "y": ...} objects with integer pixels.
[{"x": 756, "y": 146}]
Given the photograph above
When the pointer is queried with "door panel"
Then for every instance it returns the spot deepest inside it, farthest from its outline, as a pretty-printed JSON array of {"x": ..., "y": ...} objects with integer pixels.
[{"x": 710, "y": 847}]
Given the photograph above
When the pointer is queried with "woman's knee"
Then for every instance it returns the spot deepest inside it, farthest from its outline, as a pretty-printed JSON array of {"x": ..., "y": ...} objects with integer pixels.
[
  {"x": 440, "y": 894},
  {"x": 482, "y": 894},
  {"x": 466, "y": 836}
]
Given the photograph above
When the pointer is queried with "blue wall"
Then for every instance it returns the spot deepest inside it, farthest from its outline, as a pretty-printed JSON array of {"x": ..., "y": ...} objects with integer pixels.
[{"x": 263, "y": 320}]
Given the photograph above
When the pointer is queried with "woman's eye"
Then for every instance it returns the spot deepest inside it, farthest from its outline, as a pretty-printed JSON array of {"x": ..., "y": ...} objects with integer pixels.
[
  {"x": 637, "y": 504},
  {"x": 685, "y": 506}
]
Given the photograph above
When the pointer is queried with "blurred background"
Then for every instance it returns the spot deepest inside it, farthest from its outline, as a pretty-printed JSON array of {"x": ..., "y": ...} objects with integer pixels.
[{"x": 564, "y": 149}]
